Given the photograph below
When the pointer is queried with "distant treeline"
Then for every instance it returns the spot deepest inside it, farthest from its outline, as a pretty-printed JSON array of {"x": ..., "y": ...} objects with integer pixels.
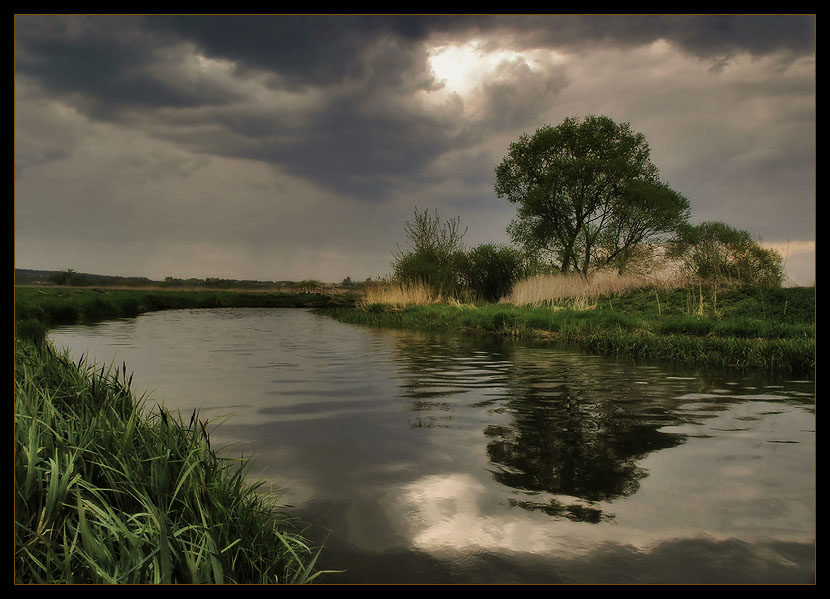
[
  {"x": 72, "y": 278},
  {"x": 24, "y": 276}
]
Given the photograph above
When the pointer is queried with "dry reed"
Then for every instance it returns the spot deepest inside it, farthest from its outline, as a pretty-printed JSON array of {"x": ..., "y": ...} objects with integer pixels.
[
  {"x": 579, "y": 292},
  {"x": 396, "y": 294}
]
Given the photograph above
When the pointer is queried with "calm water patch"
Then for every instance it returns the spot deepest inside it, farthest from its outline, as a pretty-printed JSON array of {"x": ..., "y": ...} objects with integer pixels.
[{"x": 448, "y": 458}]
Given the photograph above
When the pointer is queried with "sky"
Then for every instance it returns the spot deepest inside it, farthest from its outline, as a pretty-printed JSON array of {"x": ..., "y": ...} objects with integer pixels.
[{"x": 292, "y": 147}]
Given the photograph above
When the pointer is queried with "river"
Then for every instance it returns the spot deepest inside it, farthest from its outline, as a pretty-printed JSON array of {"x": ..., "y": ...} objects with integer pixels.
[{"x": 427, "y": 458}]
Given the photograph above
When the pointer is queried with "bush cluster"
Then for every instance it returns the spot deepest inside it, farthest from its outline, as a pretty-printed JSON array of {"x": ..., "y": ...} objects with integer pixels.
[
  {"x": 484, "y": 273},
  {"x": 437, "y": 258},
  {"x": 716, "y": 252}
]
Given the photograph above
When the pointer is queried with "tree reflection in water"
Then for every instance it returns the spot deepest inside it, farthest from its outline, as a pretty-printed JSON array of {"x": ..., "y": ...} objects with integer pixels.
[
  {"x": 567, "y": 446},
  {"x": 575, "y": 430}
]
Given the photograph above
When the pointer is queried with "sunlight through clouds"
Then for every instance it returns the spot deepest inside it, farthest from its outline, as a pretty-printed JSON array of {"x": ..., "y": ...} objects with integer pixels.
[{"x": 465, "y": 69}]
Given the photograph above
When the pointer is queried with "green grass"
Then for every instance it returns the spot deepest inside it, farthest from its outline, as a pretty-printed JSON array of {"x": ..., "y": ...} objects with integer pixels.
[
  {"x": 65, "y": 305},
  {"x": 108, "y": 493},
  {"x": 772, "y": 330}
]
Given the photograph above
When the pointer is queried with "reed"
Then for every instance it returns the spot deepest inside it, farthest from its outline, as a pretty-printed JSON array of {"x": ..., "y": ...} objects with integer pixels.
[
  {"x": 108, "y": 493},
  {"x": 396, "y": 295},
  {"x": 579, "y": 292}
]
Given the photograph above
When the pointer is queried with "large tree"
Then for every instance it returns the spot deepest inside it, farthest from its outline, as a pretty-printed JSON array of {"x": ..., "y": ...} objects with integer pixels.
[{"x": 588, "y": 194}]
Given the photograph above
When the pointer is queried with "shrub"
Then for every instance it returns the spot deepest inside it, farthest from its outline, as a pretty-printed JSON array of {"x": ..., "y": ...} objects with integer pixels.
[
  {"x": 436, "y": 254},
  {"x": 491, "y": 270},
  {"x": 717, "y": 253}
]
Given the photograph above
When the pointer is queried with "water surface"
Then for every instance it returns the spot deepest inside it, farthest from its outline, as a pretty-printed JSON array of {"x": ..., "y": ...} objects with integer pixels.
[{"x": 447, "y": 458}]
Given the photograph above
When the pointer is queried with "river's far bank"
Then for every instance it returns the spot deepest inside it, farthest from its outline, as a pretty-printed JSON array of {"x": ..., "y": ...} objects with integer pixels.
[
  {"x": 37, "y": 308},
  {"x": 768, "y": 329},
  {"x": 772, "y": 330}
]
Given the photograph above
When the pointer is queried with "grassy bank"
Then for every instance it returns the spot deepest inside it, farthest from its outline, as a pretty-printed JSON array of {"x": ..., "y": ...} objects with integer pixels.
[
  {"x": 37, "y": 308},
  {"x": 62, "y": 305},
  {"x": 108, "y": 493},
  {"x": 737, "y": 327}
]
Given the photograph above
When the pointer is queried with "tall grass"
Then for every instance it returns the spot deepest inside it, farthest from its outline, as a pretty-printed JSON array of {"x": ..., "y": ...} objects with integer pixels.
[
  {"x": 579, "y": 292},
  {"x": 107, "y": 493},
  {"x": 396, "y": 295}
]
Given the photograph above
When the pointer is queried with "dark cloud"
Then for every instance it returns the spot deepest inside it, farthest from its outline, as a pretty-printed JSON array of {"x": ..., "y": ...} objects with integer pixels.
[
  {"x": 131, "y": 118},
  {"x": 370, "y": 132},
  {"x": 705, "y": 36},
  {"x": 118, "y": 68},
  {"x": 303, "y": 50},
  {"x": 120, "y": 59},
  {"x": 709, "y": 36},
  {"x": 109, "y": 63}
]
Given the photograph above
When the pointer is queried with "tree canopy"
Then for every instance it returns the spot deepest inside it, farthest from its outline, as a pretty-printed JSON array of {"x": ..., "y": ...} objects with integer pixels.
[{"x": 588, "y": 194}]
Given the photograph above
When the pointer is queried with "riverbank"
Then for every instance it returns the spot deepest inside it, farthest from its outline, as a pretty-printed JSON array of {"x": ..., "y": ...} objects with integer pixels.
[
  {"x": 37, "y": 308},
  {"x": 772, "y": 329},
  {"x": 107, "y": 492}
]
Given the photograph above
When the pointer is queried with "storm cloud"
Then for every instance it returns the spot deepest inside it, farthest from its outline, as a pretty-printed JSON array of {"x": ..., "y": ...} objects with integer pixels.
[{"x": 342, "y": 124}]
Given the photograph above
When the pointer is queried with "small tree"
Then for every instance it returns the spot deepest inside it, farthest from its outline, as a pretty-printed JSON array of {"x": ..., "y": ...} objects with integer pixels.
[
  {"x": 436, "y": 253},
  {"x": 718, "y": 253}
]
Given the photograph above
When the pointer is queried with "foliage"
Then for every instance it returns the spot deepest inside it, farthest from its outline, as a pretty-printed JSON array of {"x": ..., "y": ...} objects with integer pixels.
[
  {"x": 309, "y": 284},
  {"x": 435, "y": 256},
  {"x": 24, "y": 276},
  {"x": 716, "y": 252},
  {"x": 490, "y": 271},
  {"x": 588, "y": 194},
  {"x": 54, "y": 305},
  {"x": 647, "y": 212}
]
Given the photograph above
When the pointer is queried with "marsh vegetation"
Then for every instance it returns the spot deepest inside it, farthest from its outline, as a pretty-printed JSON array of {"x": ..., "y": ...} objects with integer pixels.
[
  {"x": 107, "y": 491},
  {"x": 732, "y": 326}
]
